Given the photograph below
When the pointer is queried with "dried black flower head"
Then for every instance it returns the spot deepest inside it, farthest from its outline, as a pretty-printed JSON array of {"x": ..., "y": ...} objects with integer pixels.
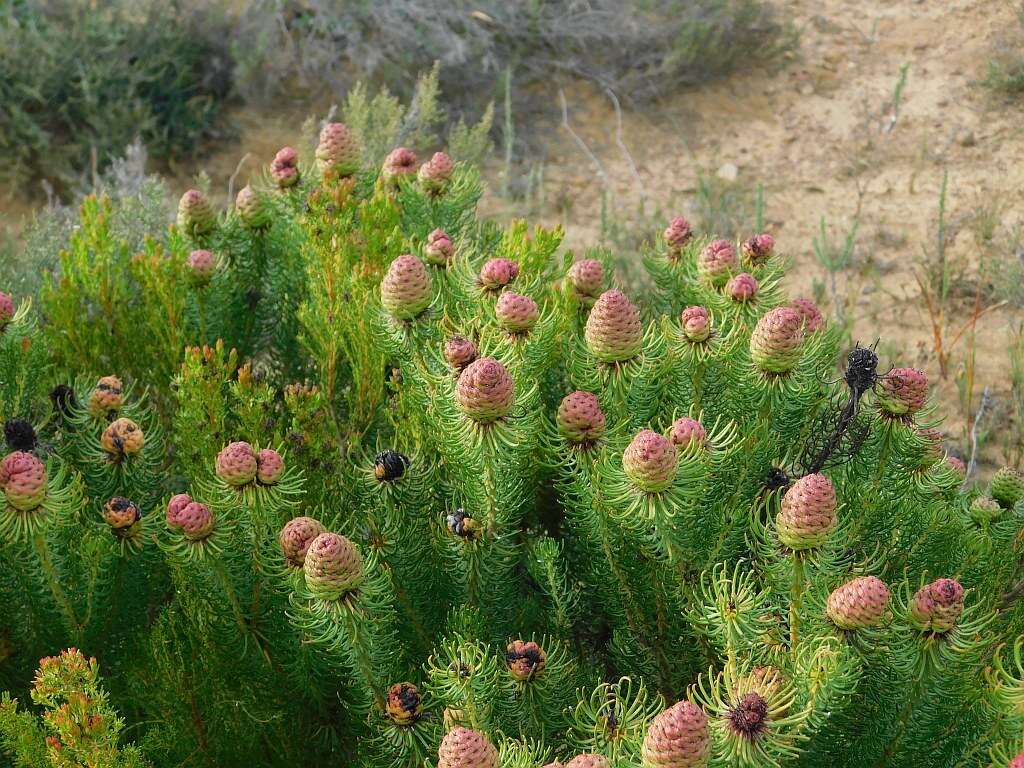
[
  {"x": 20, "y": 435},
  {"x": 63, "y": 399},
  {"x": 461, "y": 524},
  {"x": 861, "y": 370},
  {"x": 404, "y": 704},
  {"x": 390, "y": 465},
  {"x": 749, "y": 716},
  {"x": 777, "y": 479}
]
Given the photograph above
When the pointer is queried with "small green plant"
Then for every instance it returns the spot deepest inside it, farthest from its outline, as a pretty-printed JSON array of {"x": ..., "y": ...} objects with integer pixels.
[{"x": 837, "y": 258}]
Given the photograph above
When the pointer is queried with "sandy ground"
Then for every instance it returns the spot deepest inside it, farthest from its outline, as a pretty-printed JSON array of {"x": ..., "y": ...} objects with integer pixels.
[{"x": 821, "y": 137}]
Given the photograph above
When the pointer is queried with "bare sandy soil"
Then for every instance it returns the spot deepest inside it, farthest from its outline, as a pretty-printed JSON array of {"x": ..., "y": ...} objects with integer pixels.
[{"x": 822, "y": 137}]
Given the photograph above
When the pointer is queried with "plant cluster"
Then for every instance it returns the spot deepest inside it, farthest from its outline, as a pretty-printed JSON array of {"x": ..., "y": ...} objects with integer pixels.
[{"x": 347, "y": 473}]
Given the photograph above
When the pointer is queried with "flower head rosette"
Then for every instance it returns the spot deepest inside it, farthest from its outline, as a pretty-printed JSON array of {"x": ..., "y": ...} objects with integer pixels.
[
  {"x": 758, "y": 249},
  {"x": 333, "y": 567},
  {"x": 194, "y": 521},
  {"x": 405, "y": 290},
  {"x": 202, "y": 265},
  {"x": 525, "y": 660},
  {"x": 695, "y": 323},
  {"x": 195, "y": 214},
  {"x": 777, "y": 342},
  {"x": 400, "y": 164},
  {"x": 677, "y": 235},
  {"x": 435, "y": 174},
  {"x": 651, "y": 461},
  {"x": 485, "y": 391},
  {"x": 122, "y": 438},
  {"x": 814, "y": 321},
  {"x": 295, "y": 538},
  {"x": 253, "y": 208},
  {"x": 495, "y": 274},
  {"x": 515, "y": 313},
  {"x": 438, "y": 249},
  {"x": 121, "y": 514},
  {"x": 466, "y": 748},
  {"x": 678, "y": 738},
  {"x": 983, "y": 510},
  {"x": 614, "y": 332},
  {"x": 284, "y": 168},
  {"x": 338, "y": 154},
  {"x": 106, "y": 397},
  {"x": 742, "y": 288},
  {"x": 586, "y": 279},
  {"x": 902, "y": 392},
  {"x": 589, "y": 760},
  {"x": 580, "y": 419},
  {"x": 404, "y": 704},
  {"x": 23, "y": 479},
  {"x": 459, "y": 352},
  {"x": 6, "y": 309},
  {"x": 858, "y": 604},
  {"x": 716, "y": 262},
  {"x": 808, "y": 513},
  {"x": 236, "y": 464},
  {"x": 687, "y": 431},
  {"x": 1007, "y": 487},
  {"x": 938, "y": 606}
]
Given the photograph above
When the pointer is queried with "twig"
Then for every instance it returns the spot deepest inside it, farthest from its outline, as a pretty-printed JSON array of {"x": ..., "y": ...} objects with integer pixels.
[
  {"x": 231, "y": 181},
  {"x": 622, "y": 144},
  {"x": 579, "y": 142},
  {"x": 973, "y": 463}
]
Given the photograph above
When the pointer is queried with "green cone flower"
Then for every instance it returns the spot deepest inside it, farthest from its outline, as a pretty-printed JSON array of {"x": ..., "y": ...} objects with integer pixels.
[
  {"x": 677, "y": 234},
  {"x": 284, "y": 169},
  {"x": 516, "y": 313},
  {"x": 236, "y": 464},
  {"x": 777, "y": 341},
  {"x": 465, "y": 748},
  {"x": 405, "y": 290},
  {"x": 696, "y": 324},
  {"x": 716, "y": 262},
  {"x": 252, "y": 208},
  {"x": 808, "y": 513},
  {"x": 497, "y": 273},
  {"x": 23, "y": 479},
  {"x": 586, "y": 278},
  {"x": 122, "y": 437},
  {"x": 614, "y": 332},
  {"x": 984, "y": 510},
  {"x": 902, "y": 392},
  {"x": 195, "y": 214},
  {"x": 201, "y": 267},
  {"x": 338, "y": 154},
  {"x": 686, "y": 431},
  {"x": 813, "y": 319},
  {"x": 758, "y": 249},
  {"x": 399, "y": 164},
  {"x": 438, "y": 250},
  {"x": 678, "y": 738},
  {"x": 105, "y": 397},
  {"x": 862, "y": 602},
  {"x": 459, "y": 352},
  {"x": 295, "y": 538},
  {"x": 651, "y": 461},
  {"x": 1007, "y": 487},
  {"x": 580, "y": 419},
  {"x": 485, "y": 391},
  {"x": 937, "y": 607},
  {"x": 589, "y": 760},
  {"x": 333, "y": 566},
  {"x": 436, "y": 173}
]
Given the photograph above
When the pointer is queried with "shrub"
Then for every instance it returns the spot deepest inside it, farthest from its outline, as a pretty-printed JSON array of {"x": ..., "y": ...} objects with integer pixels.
[
  {"x": 338, "y": 501},
  {"x": 80, "y": 81}
]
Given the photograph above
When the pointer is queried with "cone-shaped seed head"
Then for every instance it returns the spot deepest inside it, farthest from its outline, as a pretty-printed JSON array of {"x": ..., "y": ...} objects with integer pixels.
[
  {"x": 696, "y": 324},
  {"x": 284, "y": 169},
  {"x": 201, "y": 267},
  {"x": 808, "y": 513},
  {"x": 252, "y": 208},
  {"x": 338, "y": 153},
  {"x": 105, "y": 397},
  {"x": 651, "y": 461},
  {"x": 400, "y": 163},
  {"x": 777, "y": 341},
  {"x": 748, "y": 716},
  {"x": 295, "y": 538},
  {"x": 405, "y": 289},
  {"x": 678, "y": 738},
  {"x": 587, "y": 279},
  {"x": 957, "y": 465},
  {"x": 459, "y": 352},
  {"x": 859, "y": 603},
  {"x": 716, "y": 262},
  {"x": 122, "y": 437},
  {"x": 525, "y": 660},
  {"x": 1017, "y": 762},
  {"x": 269, "y": 466},
  {"x": 984, "y": 510},
  {"x": 580, "y": 419},
  {"x": 438, "y": 249},
  {"x": 902, "y": 392},
  {"x": 497, "y": 273},
  {"x": 195, "y": 214},
  {"x": 686, "y": 431},
  {"x": 405, "y": 705},
  {"x": 196, "y": 521},
  {"x": 120, "y": 513},
  {"x": 759, "y": 248},
  {"x": 614, "y": 332},
  {"x": 23, "y": 479},
  {"x": 485, "y": 391},
  {"x": 435, "y": 174},
  {"x": 1007, "y": 487},
  {"x": 677, "y": 234},
  {"x": 236, "y": 464},
  {"x": 6, "y": 309},
  {"x": 742, "y": 287},
  {"x": 465, "y": 748},
  {"x": 936, "y": 607},
  {"x": 175, "y": 507},
  {"x": 813, "y": 319},
  {"x": 516, "y": 313},
  {"x": 589, "y": 760},
  {"x": 333, "y": 566}
]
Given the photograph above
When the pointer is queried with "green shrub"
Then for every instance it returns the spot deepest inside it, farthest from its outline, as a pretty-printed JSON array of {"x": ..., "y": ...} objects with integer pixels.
[{"x": 79, "y": 81}]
